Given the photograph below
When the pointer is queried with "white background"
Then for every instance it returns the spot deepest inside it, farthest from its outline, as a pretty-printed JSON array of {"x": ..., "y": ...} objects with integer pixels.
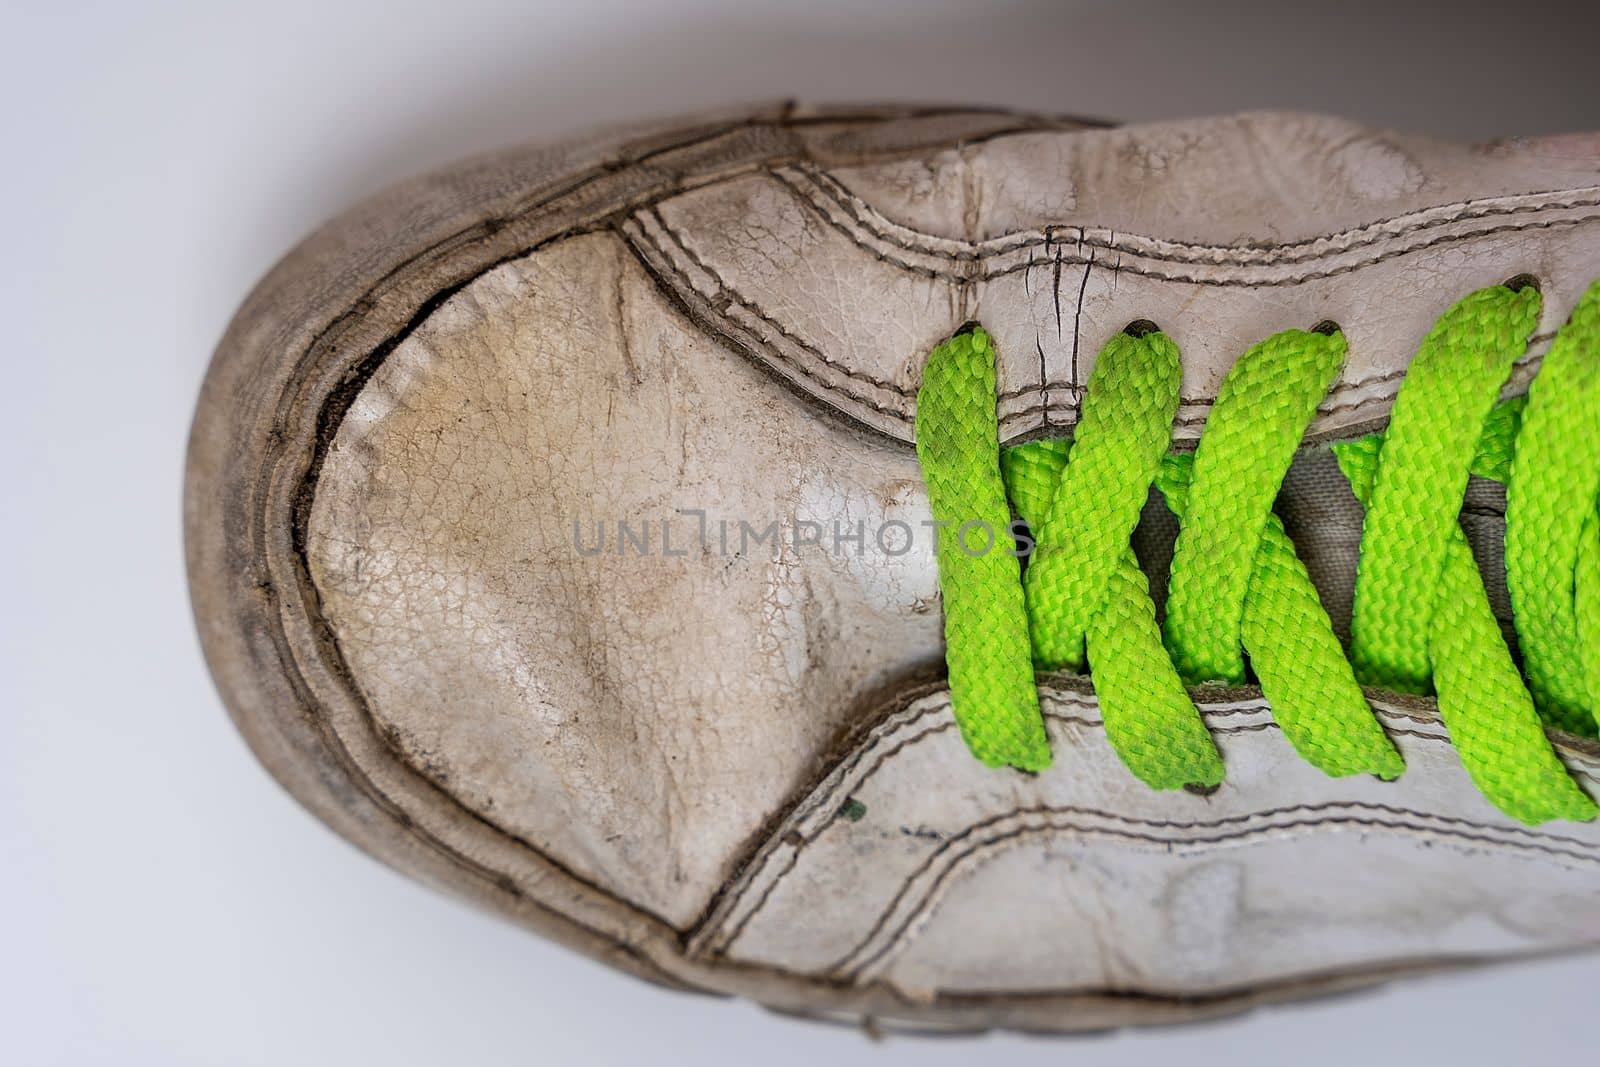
[{"x": 161, "y": 901}]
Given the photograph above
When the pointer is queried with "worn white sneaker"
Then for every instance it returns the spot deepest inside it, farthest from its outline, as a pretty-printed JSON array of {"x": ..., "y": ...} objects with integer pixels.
[{"x": 557, "y": 535}]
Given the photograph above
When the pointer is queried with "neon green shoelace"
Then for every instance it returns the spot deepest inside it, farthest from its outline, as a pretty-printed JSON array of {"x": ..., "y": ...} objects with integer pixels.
[{"x": 1241, "y": 607}]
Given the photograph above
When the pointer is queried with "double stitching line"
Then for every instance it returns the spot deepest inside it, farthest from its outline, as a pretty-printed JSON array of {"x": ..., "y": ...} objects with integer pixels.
[
  {"x": 821, "y": 189},
  {"x": 844, "y": 776}
]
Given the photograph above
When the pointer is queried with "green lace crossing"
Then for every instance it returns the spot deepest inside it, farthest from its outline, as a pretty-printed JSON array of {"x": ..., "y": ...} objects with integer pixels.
[{"x": 1241, "y": 606}]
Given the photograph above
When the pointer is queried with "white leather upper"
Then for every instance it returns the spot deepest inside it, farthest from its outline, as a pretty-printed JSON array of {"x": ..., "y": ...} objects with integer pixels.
[
  {"x": 1222, "y": 232},
  {"x": 653, "y": 722}
]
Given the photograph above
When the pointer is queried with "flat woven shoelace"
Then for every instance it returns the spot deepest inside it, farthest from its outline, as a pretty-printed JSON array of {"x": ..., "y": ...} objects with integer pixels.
[{"x": 1241, "y": 607}]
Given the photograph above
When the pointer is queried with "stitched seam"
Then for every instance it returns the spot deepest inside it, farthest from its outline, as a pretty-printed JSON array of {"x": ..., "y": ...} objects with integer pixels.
[
  {"x": 734, "y": 297},
  {"x": 957, "y": 860},
  {"x": 732, "y": 935},
  {"x": 881, "y": 227},
  {"x": 737, "y": 298},
  {"x": 1078, "y": 259},
  {"x": 844, "y": 770},
  {"x": 942, "y": 704},
  {"x": 638, "y": 235},
  {"x": 1332, "y": 272}
]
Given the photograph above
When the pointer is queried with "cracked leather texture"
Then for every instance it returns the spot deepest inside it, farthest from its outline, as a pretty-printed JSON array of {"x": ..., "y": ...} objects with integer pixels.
[
  {"x": 639, "y": 715},
  {"x": 668, "y": 727}
]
